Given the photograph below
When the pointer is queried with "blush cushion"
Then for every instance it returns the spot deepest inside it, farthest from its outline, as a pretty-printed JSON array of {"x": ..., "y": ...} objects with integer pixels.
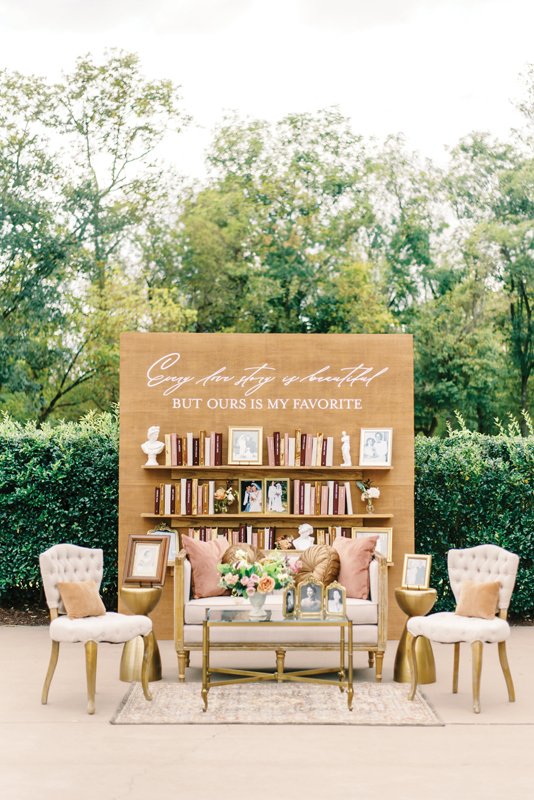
[
  {"x": 318, "y": 563},
  {"x": 204, "y": 557},
  {"x": 355, "y": 556},
  {"x": 478, "y": 599},
  {"x": 81, "y": 599}
]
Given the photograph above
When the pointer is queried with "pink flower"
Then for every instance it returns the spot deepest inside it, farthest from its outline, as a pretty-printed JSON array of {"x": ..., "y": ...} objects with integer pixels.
[
  {"x": 254, "y": 578},
  {"x": 251, "y": 590},
  {"x": 231, "y": 580},
  {"x": 244, "y": 580}
]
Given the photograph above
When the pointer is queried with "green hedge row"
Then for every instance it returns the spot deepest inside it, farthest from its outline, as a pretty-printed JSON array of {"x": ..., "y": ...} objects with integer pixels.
[{"x": 60, "y": 484}]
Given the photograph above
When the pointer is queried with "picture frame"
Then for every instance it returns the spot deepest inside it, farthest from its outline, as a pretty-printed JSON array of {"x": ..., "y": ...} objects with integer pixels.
[
  {"x": 384, "y": 545},
  {"x": 251, "y": 496},
  {"x": 289, "y": 604},
  {"x": 277, "y": 496},
  {"x": 376, "y": 445},
  {"x": 335, "y": 600},
  {"x": 310, "y": 599},
  {"x": 245, "y": 445},
  {"x": 416, "y": 571},
  {"x": 172, "y": 534},
  {"x": 146, "y": 559}
]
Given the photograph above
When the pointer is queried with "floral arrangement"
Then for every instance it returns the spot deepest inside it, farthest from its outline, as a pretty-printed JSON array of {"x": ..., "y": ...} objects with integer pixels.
[
  {"x": 244, "y": 578},
  {"x": 369, "y": 493},
  {"x": 224, "y": 498}
]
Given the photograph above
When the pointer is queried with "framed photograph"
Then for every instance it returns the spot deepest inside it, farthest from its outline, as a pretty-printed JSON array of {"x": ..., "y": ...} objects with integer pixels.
[
  {"x": 416, "y": 571},
  {"x": 245, "y": 445},
  {"x": 171, "y": 533},
  {"x": 277, "y": 495},
  {"x": 335, "y": 600},
  {"x": 384, "y": 545},
  {"x": 310, "y": 599},
  {"x": 289, "y": 602},
  {"x": 146, "y": 559},
  {"x": 375, "y": 447},
  {"x": 251, "y": 500}
]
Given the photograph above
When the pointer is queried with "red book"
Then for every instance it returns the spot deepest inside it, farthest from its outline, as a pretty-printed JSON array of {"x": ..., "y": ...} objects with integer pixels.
[
  {"x": 303, "y": 440},
  {"x": 301, "y": 497},
  {"x": 276, "y": 441},
  {"x": 336, "y": 497},
  {"x": 173, "y": 499},
  {"x": 323, "y": 452},
  {"x": 188, "y": 496},
  {"x": 196, "y": 451},
  {"x": 179, "y": 452},
  {"x": 218, "y": 449},
  {"x": 157, "y": 492}
]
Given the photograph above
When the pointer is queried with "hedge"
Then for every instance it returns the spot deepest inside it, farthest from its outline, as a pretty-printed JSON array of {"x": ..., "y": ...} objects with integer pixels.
[{"x": 60, "y": 484}]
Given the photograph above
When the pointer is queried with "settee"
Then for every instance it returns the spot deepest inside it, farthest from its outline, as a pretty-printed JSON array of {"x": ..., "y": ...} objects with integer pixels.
[{"x": 369, "y": 619}]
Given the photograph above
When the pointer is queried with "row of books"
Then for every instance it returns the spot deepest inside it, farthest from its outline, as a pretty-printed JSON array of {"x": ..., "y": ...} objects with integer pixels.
[
  {"x": 327, "y": 535},
  {"x": 322, "y": 497},
  {"x": 187, "y": 496},
  {"x": 204, "y": 450},
  {"x": 261, "y": 538},
  {"x": 300, "y": 450}
]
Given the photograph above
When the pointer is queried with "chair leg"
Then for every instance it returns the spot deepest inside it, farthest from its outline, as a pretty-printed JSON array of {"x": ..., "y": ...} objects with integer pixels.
[
  {"x": 455, "y": 668},
  {"x": 379, "y": 662},
  {"x": 411, "y": 642},
  {"x": 148, "y": 650},
  {"x": 182, "y": 663},
  {"x": 371, "y": 656},
  {"x": 503, "y": 658},
  {"x": 91, "y": 652},
  {"x": 50, "y": 673},
  {"x": 187, "y": 657},
  {"x": 476, "y": 649}
]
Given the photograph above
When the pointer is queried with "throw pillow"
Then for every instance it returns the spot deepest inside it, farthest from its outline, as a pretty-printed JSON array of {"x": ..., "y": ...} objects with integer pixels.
[
  {"x": 251, "y": 554},
  {"x": 204, "y": 557},
  {"x": 478, "y": 599},
  {"x": 355, "y": 556},
  {"x": 318, "y": 563},
  {"x": 81, "y": 599}
]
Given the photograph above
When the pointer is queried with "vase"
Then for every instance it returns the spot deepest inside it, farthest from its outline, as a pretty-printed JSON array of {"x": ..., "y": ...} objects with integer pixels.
[
  {"x": 257, "y": 601},
  {"x": 370, "y": 506}
]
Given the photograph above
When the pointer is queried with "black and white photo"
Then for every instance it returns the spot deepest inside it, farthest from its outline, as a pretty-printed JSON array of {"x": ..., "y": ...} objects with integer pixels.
[{"x": 375, "y": 447}]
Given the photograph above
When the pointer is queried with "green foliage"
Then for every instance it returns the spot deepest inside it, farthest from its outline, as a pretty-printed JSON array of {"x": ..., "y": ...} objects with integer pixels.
[
  {"x": 57, "y": 484},
  {"x": 475, "y": 489}
]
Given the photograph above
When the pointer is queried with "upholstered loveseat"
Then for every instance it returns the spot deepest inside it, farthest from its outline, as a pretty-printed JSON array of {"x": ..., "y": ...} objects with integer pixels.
[{"x": 369, "y": 618}]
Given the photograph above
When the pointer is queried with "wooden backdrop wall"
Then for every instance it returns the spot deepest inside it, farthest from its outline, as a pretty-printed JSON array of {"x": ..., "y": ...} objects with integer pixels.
[{"x": 190, "y": 382}]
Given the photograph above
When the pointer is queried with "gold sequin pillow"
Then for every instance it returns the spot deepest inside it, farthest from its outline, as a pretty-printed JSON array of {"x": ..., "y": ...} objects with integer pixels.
[{"x": 318, "y": 563}]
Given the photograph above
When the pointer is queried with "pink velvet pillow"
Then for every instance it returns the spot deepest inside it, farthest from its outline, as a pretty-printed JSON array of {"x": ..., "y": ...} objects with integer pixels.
[
  {"x": 204, "y": 557},
  {"x": 355, "y": 556}
]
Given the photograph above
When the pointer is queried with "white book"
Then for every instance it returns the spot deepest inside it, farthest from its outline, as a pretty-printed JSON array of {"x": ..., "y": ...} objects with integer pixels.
[
  {"x": 211, "y": 497},
  {"x": 249, "y": 534},
  {"x": 337, "y": 529},
  {"x": 329, "y": 451},
  {"x": 207, "y": 452},
  {"x": 330, "y": 497},
  {"x": 291, "y": 447},
  {"x": 167, "y": 499},
  {"x": 189, "y": 449},
  {"x": 314, "y": 451},
  {"x": 183, "y": 489},
  {"x": 348, "y": 498},
  {"x": 307, "y": 498}
]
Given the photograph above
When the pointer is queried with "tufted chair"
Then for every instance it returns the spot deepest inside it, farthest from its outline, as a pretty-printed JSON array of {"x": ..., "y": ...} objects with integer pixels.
[
  {"x": 70, "y": 563},
  {"x": 483, "y": 564}
]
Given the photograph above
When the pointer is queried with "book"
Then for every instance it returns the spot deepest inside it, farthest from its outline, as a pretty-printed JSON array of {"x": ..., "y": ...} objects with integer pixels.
[
  {"x": 303, "y": 444},
  {"x": 207, "y": 451},
  {"x": 330, "y": 451},
  {"x": 188, "y": 496},
  {"x": 330, "y": 497},
  {"x": 348, "y": 497},
  {"x": 335, "y": 504},
  {"x": 189, "y": 439},
  {"x": 319, "y": 450},
  {"x": 183, "y": 495},
  {"x": 179, "y": 452},
  {"x": 341, "y": 500},
  {"x": 297, "y": 447},
  {"x": 157, "y": 491},
  {"x": 276, "y": 442},
  {"x": 167, "y": 439},
  {"x": 291, "y": 452},
  {"x": 218, "y": 449},
  {"x": 324, "y": 447},
  {"x": 296, "y": 495},
  {"x": 201, "y": 448},
  {"x": 172, "y": 503},
  {"x": 174, "y": 448},
  {"x": 196, "y": 451},
  {"x": 309, "y": 448},
  {"x": 270, "y": 450}
]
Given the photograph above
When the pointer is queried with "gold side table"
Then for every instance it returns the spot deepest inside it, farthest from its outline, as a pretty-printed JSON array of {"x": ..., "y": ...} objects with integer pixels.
[
  {"x": 140, "y": 600},
  {"x": 415, "y": 603}
]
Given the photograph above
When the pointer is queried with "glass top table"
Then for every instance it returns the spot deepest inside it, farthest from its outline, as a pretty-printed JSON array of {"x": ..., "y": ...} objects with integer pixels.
[{"x": 217, "y": 618}]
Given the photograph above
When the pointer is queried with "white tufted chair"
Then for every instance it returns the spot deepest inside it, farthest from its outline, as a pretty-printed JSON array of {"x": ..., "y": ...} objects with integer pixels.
[
  {"x": 483, "y": 564},
  {"x": 70, "y": 563}
]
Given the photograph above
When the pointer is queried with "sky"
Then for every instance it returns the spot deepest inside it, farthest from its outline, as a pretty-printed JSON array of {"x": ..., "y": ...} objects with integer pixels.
[{"x": 433, "y": 70}]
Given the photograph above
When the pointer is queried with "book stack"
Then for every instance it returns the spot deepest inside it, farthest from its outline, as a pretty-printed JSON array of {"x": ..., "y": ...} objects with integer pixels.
[
  {"x": 187, "y": 496},
  {"x": 204, "y": 450},
  {"x": 300, "y": 450},
  {"x": 322, "y": 497}
]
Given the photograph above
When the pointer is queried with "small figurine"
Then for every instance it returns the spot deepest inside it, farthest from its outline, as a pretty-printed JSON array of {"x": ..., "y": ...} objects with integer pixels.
[
  {"x": 152, "y": 447},
  {"x": 345, "y": 450},
  {"x": 304, "y": 539}
]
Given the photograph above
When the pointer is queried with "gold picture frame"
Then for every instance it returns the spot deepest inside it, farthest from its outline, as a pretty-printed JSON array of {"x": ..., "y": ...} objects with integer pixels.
[
  {"x": 277, "y": 496},
  {"x": 416, "y": 571},
  {"x": 310, "y": 599},
  {"x": 251, "y": 496},
  {"x": 146, "y": 560},
  {"x": 335, "y": 600},
  {"x": 289, "y": 601},
  {"x": 245, "y": 445},
  {"x": 384, "y": 545}
]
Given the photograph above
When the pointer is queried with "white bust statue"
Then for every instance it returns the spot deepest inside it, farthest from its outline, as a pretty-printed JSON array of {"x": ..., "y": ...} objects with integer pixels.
[
  {"x": 152, "y": 447},
  {"x": 304, "y": 539},
  {"x": 345, "y": 450}
]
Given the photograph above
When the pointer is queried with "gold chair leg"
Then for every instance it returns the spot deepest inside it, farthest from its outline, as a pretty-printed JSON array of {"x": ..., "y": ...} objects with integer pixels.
[
  {"x": 148, "y": 650},
  {"x": 187, "y": 658},
  {"x": 411, "y": 642},
  {"x": 455, "y": 668},
  {"x": 379, "y": 661},
  {"x": 50, "y": 673},
  {"x": 182, "y": 663},
  {"x": 371, "y": 656},
  {"x": 91, "y": 651},
  {"x": 476, "y": 649},
  {"x": 503, "y": 658}
]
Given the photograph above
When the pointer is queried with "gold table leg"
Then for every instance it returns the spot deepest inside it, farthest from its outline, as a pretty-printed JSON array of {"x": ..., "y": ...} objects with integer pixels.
[
  {"x": 140, "y": 600},
  {"x": 415, "y": 602},
  {"x": 205, "y": 664},
  {"x": 351, "y": 664}
]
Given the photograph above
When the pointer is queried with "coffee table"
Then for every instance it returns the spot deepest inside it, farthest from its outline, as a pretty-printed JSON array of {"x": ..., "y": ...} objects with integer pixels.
[{"x": 216, "y": 618}]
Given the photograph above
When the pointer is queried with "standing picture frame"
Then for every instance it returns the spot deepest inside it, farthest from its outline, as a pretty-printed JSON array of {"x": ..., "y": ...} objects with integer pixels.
[
  {"x": 251, "y": 496},
  {"x": 172, "y": 534},
  {"x": 335, "y": 600},
  {"x": 416, "y": 571},
  {"x": 277, "y": 496},
  {"x": 289, "y": 603},
  {"x": 245, "y": 445},
  {"x": 310, "y": 599},
  {"x": 376, "y": 445},
  {"x": 384, "y": 544},
  {"x": 146, "y": 560}
]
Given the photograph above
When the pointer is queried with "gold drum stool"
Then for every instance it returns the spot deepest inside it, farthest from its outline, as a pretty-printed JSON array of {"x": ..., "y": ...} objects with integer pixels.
[
  {"x": 415, "y": 603},
  {"x": 140, "y": 600}
]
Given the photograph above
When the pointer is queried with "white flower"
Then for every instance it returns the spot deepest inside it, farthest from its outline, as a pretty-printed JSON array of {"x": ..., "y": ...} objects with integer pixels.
[{"x": 374, "y": 491}]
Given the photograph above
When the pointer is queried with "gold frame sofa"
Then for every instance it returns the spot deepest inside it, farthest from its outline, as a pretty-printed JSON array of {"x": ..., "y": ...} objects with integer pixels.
[{"x": 369, "y": 619}]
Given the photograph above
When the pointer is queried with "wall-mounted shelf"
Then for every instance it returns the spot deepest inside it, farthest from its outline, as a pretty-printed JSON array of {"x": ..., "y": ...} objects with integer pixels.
[{"x": 252, "y": 519}]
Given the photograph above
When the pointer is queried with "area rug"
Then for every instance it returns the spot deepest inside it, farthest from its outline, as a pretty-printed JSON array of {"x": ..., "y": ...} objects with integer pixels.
[{"x": 274, "y": 704}]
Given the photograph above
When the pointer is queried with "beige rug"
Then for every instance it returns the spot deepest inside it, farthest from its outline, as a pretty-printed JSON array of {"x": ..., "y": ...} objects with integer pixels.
[{"x": 274, "y": 704}]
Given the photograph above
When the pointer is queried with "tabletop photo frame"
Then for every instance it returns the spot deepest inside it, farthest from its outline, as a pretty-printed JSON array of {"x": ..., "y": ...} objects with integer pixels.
[
  {"x": 245, "y": 445},
  {"x": 416, "y": 571},
  {"x": 376, "y": 445},
  {"x": 146, "y": 560}
]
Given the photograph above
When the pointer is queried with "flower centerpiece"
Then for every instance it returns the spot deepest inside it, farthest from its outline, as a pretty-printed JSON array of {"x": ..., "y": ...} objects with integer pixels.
[
  {"x": 224, "y": 498},
  {"x": 369, "y": 493},
  {"x": 255, "y": 580}
]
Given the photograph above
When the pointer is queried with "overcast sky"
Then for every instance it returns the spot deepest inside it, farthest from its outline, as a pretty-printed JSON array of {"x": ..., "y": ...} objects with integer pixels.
[{"x": 432, "y": 69}]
